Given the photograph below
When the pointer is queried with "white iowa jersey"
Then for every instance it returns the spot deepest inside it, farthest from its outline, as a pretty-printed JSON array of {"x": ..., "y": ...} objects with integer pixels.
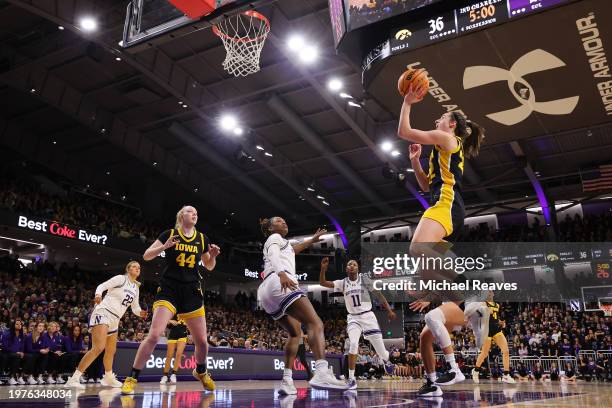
[
  {"x": 121, "y": 294},
  {"x": 356, "y": 294},
  {"x": 286, "y": 261}
]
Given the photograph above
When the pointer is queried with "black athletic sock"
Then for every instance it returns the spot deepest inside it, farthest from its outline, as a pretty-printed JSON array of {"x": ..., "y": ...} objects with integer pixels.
[
  {"x": 172, "y": 372},
  {"x": 134, "y": 373},
  {"x": 478, "y": 369},
  {"x": 201, "y": 368}
]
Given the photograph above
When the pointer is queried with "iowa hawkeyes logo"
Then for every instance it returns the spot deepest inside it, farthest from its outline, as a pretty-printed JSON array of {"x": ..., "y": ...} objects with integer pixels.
[{"x": 402, "y": 34}]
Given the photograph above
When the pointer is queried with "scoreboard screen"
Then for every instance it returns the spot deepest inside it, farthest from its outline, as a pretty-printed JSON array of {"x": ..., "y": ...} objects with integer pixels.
[
  {"x": 420, "y": 33},
  {"x": 481, "y": 14},
  {"x": 472, "y": 16},
  {"x": 338, "y": 21}
]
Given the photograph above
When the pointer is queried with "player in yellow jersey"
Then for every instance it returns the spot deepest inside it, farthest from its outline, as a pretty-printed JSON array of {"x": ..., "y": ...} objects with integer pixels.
[
  {"x": 495, "y": 334},
  {"x": 454, "y": 139},
  {"x": 179, "y": 293}
]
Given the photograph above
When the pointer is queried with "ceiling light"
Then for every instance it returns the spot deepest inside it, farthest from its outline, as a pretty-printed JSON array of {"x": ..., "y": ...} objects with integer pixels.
[
  {"x": 60, "y": 28},
  {"x": 409, "y": 170},
  {"x": 195, "y": 190},
  {"x": 33, "y": 90},
  {"x": 386, "y": 146},
  {"x": 334, "y": 84},
  {"x": 180, "y": 102},
  {"x": 258, "y": 147},
  {"x": 155, "y": 163},
  {"x": 355, "y": 104},
  {"x": 395, "y": 153},
  {"x": 88, "y": 23},
  {"x": 325, "y": 202},
  {"x": 309, "y": 54},
  {"x": 295, "y": 42},
  {"x": 108, "y": 173},
  {"x": 310, "y": 189},
  {"x": 54, "y": 142},
  {"x": 320, "y": 197},
  {"x": 268, "y": 154},
  {"x": 117, "y": 58},
  {"x": 185, "y": 105},
  {"x": 345, "y": 95},
  {"x": 228, "y": 122},
  {"x": 238, "y": 131}
]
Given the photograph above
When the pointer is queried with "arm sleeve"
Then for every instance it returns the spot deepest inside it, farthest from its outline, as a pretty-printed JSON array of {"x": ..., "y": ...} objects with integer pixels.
[
  {"x": 274, "y": 256},
  {"x": 339, "y": 285},
  {"x": 136, "y": 304},
  {"x": 111, "y": 283}
]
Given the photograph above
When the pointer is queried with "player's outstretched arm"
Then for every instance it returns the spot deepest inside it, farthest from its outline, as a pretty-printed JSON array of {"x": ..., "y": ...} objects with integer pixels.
[
  {"x": 307, "y": 243},
  {"x": 322, "y": 280},
  {"x": 209, "y": 259}
]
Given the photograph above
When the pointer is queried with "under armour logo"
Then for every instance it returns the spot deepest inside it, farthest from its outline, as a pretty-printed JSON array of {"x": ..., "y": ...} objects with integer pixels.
[{"x": 534, "y": 61}]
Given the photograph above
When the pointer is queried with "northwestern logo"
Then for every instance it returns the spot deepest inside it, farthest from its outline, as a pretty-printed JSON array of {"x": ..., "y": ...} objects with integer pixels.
[{"x": 534, "y": 61}]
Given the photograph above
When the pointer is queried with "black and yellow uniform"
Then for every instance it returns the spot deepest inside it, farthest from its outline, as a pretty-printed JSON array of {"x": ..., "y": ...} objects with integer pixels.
[
  {"x": 178, "y": 333},
  {"x": 445, "y": 178},
  {"x": 494, "y": 326},
  {"x": 180, "y": 288}
]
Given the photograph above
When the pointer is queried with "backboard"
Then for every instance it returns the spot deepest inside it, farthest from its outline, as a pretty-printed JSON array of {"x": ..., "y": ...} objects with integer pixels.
[{"x": 147, "y": 19}]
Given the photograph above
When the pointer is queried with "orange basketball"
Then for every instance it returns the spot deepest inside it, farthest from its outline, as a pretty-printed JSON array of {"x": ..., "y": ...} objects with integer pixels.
[{"x": 414, "y": 77}]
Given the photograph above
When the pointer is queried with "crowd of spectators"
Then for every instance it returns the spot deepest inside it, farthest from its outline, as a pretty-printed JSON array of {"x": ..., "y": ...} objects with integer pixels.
[{"x": 76, "y": 208}]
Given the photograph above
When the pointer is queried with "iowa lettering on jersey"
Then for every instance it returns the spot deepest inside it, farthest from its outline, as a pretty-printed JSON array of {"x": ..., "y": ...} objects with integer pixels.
[{"x": 180, "y": 247}]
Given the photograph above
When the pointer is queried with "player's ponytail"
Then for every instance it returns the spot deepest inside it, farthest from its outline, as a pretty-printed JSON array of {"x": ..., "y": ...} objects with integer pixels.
[
  {"x": 264, "y": 224},
  {"x": 179, "y": 218},
  {"x": 471, "y": 134}
]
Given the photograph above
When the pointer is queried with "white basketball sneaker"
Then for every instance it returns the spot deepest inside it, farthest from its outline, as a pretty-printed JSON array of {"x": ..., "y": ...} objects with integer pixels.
[
  {"x": 164, "y": 379},
  {"x": 173, "y": 379},
  {"x": 109, "y": 380},
  {"x": 74, "y": 383},
  {"x": 325, "y": 380},
  {"x": 508, "y": 380},
  {"x": 287, "y": 387}
]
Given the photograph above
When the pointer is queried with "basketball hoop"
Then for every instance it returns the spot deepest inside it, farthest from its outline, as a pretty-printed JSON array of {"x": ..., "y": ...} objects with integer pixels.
[{"x": 243, "y": 36}]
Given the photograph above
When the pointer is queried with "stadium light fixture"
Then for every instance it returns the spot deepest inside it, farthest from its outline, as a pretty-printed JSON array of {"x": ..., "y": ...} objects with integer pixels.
[
  {"x": 309, "y": 54},
  {"x": 258, "y": 147},
  {"x": 345, "y": 95},
  {"x": 228, "y": 122},
  {"x": 295, "y": 42},
  {"x": 395, "y": 153},
  {"x": 334, "y": 84},
  {"x": 386, "y": 146},
  {"x": 88, "y": 24}
]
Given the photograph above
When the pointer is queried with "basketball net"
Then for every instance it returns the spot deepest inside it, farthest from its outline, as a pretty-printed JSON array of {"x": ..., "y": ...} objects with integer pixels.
[{"x": 243, "y": 36}]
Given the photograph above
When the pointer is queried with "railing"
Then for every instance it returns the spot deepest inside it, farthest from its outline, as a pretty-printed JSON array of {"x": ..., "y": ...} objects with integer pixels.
[{"x": 529, "y": 361}]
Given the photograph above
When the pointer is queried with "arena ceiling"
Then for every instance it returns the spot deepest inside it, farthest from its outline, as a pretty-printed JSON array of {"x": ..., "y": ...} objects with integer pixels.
[{"x": 82, "y": 106}]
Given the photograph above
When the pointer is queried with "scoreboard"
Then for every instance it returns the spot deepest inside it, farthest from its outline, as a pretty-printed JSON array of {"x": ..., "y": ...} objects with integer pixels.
[
  {"x": 472, "y": 16},
  {"x": 462, "y": 20}
]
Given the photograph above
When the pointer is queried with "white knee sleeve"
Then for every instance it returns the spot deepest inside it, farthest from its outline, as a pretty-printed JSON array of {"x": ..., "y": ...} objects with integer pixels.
[
  {"x": 435, "y": 320},
  {"x": 379, "y": 346},
  {"x": 354, "y": 333}
]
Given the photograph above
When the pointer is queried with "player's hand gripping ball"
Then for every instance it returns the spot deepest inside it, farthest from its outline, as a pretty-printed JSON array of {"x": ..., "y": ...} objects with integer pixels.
[{"x": 415, "y": 78}]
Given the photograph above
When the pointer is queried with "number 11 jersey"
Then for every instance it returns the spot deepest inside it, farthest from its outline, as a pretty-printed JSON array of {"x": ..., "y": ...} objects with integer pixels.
[{"x": 356, "y": 294}]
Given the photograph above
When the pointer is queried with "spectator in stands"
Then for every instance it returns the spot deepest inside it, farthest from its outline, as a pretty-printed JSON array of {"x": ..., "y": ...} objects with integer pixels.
[
  {"x": 13, "y": 349},
  {"x": 522, "y": 373},
  {"x": 57, "y": 350},
  {"x": 568, "y": 376},
  {"x": 75, "y": 348},
  {"x": 36, "y": 354}
]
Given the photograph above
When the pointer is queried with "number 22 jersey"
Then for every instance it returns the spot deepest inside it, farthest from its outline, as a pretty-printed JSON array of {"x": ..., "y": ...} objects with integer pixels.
[{"x": 183, "y": 258}]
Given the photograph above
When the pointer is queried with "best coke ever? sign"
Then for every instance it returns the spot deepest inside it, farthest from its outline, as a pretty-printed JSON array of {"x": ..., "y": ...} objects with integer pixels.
[{"x": 60, "y": 230}]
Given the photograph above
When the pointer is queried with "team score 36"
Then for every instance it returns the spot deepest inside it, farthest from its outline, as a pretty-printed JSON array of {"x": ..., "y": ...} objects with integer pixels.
[{"x": 190, "y": 260}]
